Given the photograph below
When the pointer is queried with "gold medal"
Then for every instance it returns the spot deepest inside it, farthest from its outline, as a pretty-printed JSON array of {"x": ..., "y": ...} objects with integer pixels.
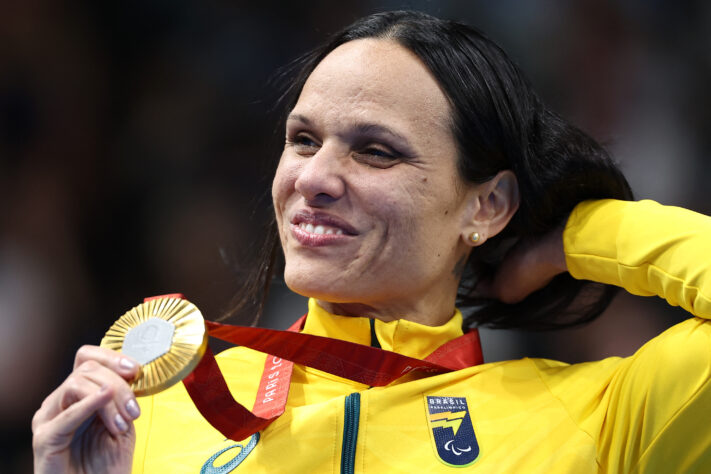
[{"x": 166, "y": 336}]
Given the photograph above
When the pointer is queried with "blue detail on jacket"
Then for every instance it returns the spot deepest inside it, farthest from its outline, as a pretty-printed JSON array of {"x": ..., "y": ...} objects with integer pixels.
[{"x": 210, "y": 468}]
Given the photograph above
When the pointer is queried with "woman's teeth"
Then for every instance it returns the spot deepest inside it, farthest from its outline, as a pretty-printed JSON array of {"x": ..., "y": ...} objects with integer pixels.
[{"x": 320, "y": 229}]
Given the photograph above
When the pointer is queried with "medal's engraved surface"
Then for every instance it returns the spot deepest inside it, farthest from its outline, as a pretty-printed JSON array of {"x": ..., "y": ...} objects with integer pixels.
[
  {"x": 166, "y": 335},
  {"x": 149, "y": 340}
]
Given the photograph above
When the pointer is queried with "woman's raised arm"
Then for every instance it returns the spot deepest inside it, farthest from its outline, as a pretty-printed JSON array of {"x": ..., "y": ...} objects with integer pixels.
[
  {"x": 644, "y": 247},
  {"x": 654, "y": 403}
]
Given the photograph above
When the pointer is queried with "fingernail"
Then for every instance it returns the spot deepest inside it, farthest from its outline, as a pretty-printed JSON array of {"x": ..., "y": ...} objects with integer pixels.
[
  {"x": 120, "y": 423},
  {"x": 127, "y": 364},
  {"x": 132, "y": 408}
]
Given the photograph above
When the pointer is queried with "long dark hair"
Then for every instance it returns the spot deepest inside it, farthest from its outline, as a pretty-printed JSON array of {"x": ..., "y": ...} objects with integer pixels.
[{"x": 499, "y": 123}]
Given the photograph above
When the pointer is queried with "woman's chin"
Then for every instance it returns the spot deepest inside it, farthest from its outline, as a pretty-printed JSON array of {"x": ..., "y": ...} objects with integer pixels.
[
  {"x": 316, "y": 291},
  {"x": 323, "y": 288},
  {"x": 313, "y": 280}
]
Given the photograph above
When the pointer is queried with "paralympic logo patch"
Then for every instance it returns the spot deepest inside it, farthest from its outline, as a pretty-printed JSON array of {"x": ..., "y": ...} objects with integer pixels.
[{"x": 452, "y": 432}]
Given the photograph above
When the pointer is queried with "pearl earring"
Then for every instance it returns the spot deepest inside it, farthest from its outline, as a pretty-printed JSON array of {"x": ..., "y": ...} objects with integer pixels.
[{"x": 474, "y": 237}]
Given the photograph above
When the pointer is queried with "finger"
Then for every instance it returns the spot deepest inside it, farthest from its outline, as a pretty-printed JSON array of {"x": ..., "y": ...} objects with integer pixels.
[
  {"x": 45, "y": 411},
  {"x": 517, "y": 279},
  {"x": 118, "y": 415},
  {"x": 518, "y": 289},
  {"x": 78, "y": 386},
  {"x": 484, "y": 288},
  {"x": 56, "y": 401},
  {"x": 513, "y": 280},
  {"x": 67, "y": 422},
  {"x": 119, "y": 363},
  {"x": 85, "y": 380},
  {"x": 56, "y": 434}
]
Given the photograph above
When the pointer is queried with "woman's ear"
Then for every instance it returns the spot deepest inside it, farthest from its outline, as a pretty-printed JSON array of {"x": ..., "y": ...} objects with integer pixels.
[{"x": 492, "y": 206}]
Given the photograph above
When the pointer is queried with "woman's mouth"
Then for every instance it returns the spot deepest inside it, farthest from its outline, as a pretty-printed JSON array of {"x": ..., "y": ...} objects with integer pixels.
[{"x": 319, "y": 229}]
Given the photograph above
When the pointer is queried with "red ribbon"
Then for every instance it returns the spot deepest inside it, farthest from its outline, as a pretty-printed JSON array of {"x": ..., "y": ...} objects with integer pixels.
[{"x": 364, "y": 364}]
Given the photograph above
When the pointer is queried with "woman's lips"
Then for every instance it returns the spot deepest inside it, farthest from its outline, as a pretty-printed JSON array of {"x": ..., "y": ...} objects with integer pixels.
[{"x": 318, "y": 229}]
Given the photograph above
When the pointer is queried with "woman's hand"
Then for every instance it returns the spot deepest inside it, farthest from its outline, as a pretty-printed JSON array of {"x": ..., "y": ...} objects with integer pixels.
[
  {"x": 86, "y": 424},
  {"x": 529, "y": 266}
]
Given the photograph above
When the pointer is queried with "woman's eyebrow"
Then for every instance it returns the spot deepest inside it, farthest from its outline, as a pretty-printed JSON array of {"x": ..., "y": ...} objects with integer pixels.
[
  {"x": 299, "y": 118},
  {"x": 378, "y": 129}
]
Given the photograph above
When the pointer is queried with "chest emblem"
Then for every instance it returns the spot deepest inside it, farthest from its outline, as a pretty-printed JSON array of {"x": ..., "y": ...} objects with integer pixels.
[{"x": 451, "y": 430}]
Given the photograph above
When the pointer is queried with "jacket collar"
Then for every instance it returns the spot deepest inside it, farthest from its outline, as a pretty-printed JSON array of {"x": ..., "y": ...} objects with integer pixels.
[{"x": 402, "y": 336}]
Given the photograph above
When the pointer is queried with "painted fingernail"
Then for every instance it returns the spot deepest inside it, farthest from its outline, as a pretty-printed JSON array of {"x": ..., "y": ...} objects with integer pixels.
[
  {"x": 127, "y": 364},
  {"x": 120, "y": 423},
  {"x": 132, "y": 408}
]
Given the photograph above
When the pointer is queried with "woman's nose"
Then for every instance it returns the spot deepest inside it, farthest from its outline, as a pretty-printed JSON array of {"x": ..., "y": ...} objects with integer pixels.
[{"x": 321, "y": 177}]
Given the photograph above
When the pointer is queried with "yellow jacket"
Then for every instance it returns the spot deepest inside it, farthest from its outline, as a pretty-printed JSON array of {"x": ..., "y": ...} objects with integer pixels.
[{"x": 645, "y": 413}]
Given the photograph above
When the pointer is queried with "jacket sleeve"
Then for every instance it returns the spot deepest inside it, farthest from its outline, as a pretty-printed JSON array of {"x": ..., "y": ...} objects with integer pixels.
[
  {"x": 655, "y": 405},
  {"x": 644, "y": 247}
]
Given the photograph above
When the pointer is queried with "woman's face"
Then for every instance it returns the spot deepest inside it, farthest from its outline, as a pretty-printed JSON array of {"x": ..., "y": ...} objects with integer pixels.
[{"x": 368, "y": 200}]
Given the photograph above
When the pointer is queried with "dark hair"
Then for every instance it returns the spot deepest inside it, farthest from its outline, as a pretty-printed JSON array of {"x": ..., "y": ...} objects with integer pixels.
[{"x": 499, "y": 123}]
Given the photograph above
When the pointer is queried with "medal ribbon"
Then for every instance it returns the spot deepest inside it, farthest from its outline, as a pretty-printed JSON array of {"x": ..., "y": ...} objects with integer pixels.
[{"x": 364, "y": 364}]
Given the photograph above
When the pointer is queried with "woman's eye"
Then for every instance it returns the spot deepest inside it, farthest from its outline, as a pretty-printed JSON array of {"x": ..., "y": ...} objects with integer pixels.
[
  {"x": 378, "y": 152},
  {"x": 377, "y": 157},
  {"x": 303, "y": 144}
]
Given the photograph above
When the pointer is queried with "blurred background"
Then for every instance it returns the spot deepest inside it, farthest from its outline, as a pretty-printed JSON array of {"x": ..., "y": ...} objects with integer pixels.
[{"x": 137, "y": 141}]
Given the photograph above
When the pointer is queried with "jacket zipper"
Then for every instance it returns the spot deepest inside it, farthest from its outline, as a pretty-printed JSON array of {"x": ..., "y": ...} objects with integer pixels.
[{"x": 350, "y": 432}]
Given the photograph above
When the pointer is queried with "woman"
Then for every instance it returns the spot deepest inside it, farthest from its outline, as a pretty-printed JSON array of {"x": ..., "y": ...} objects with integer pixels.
[{"x": 416, "y": 156}]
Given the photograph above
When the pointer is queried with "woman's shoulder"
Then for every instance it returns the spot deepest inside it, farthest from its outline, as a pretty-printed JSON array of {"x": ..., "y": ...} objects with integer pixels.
[
  {"x": 652, "y": 393},
  {"x": 681, "y": 352}
]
